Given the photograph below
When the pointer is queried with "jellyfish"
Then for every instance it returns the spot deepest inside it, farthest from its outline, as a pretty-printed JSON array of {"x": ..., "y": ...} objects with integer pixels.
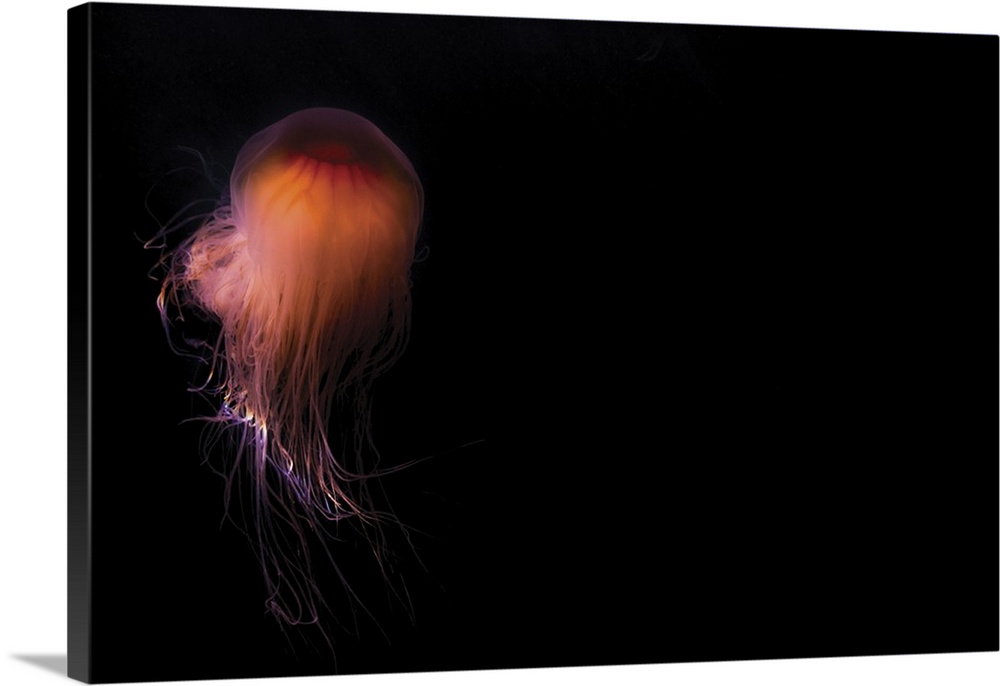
[{"x": 304, "y": 274}]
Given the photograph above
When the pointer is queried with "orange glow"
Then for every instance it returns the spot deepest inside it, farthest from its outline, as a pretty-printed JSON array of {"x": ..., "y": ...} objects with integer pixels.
[{"x": 303, "y": 212}]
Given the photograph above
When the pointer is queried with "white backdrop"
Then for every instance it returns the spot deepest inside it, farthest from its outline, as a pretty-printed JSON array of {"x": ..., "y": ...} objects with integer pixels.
[{"x": 33, "y": 332}]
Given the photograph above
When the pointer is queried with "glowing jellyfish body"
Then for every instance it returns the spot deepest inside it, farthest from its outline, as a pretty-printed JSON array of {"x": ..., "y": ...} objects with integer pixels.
[{"x": 306, "y": 272}]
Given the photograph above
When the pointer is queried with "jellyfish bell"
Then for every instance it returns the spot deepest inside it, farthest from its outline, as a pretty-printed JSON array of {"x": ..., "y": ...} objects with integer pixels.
[
  {"x": 306, "y": 273},
  {"x": 325, "y": 191}
]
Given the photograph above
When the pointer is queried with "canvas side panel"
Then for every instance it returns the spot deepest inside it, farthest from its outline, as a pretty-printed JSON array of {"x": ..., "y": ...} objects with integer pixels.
[{"x": 79, "y": 341}]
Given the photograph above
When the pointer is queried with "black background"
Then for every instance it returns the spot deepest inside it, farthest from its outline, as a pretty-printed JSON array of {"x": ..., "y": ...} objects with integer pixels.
[{"x": 694, "y": 345}]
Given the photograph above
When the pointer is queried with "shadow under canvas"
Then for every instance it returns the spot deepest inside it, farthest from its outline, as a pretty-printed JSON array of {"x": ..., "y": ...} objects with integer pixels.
[{"x": 51, "y": 663}]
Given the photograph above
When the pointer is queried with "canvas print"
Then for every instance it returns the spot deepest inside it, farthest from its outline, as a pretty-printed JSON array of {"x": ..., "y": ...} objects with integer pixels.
[{"x": 419, "y": 343}]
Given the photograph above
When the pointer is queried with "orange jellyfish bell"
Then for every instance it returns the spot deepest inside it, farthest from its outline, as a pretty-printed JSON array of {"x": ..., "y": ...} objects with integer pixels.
[{"x": 324, "y": 190}]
